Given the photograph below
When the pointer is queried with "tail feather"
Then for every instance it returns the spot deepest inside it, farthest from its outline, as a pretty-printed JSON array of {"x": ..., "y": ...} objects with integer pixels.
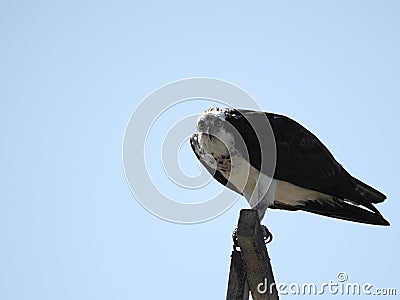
[{"x": 342, "y": 210}]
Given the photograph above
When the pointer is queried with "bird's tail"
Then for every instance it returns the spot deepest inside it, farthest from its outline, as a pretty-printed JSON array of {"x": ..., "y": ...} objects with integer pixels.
[
  {"x": 341, "y": 210},
  {"x": 349, "y": 212}
]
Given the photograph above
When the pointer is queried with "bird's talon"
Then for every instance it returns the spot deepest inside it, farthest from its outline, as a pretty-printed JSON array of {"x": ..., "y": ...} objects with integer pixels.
[{"x": 267, "y": 234}]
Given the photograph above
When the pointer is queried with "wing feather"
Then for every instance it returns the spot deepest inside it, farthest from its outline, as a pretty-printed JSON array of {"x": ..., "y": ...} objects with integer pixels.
[{"x": 304, "y": 161}]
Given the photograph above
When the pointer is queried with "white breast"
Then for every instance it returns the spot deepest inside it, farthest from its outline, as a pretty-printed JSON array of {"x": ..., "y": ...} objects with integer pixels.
[{"x": 257, "y": 188}]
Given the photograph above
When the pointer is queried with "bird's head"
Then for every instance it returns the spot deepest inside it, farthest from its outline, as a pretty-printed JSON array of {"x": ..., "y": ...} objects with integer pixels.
[{"x": 211, "y": 122}]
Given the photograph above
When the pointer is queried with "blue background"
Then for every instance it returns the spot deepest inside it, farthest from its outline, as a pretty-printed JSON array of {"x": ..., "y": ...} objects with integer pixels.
[{"x": 72, "y": 72}]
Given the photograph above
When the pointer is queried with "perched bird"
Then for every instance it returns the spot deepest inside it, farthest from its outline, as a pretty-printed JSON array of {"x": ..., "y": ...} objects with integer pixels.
[{"x": 274, "y": 162}]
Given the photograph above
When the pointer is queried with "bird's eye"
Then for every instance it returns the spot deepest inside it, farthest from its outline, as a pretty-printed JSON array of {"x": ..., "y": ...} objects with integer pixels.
[
  {"x": 201, "y": 124},
  {"x": 218, "y": 123}
]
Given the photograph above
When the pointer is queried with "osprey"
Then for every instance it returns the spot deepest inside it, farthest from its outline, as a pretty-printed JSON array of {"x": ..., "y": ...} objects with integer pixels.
[{"x": 274, "y": 162}]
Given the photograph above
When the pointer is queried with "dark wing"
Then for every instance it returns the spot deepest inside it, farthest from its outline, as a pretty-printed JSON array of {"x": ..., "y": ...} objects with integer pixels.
[
  {"x": 303, "y": 160},
  {"x": 216, "y": 174}
]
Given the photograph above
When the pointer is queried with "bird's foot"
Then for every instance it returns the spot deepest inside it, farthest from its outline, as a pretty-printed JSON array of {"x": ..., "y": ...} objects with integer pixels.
[
  {"x": 235, "y": 240},
  {"x": 267, "y": 234}
]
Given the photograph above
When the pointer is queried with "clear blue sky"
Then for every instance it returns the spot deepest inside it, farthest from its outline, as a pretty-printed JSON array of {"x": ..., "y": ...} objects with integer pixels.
[{"x": 72, "y": 72}]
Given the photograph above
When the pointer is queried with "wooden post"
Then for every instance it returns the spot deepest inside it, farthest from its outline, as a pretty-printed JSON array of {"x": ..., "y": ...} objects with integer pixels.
[
  {"x": 255, "y": 259},
  {"x": 238, "y": 289}
]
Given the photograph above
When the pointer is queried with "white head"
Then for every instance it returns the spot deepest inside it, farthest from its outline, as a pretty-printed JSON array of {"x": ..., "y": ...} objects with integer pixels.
[
  {"x": 213, "y": 132},
  {"x": 211, "y": 121}
]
